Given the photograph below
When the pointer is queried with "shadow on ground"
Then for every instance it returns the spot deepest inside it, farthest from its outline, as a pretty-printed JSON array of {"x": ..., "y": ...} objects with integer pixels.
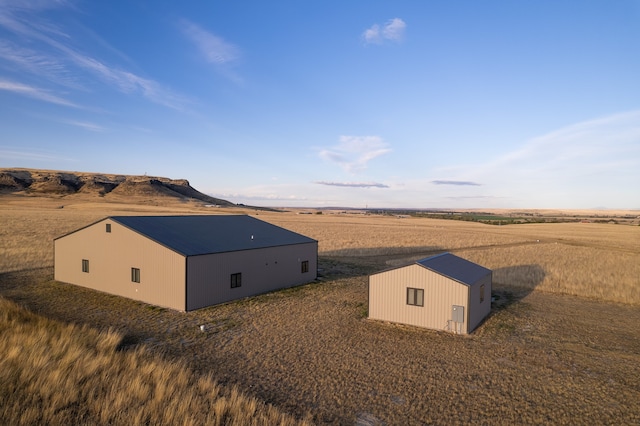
[
  {"x": 513, "y": 283},
  {"x": 365, "y": 261}
]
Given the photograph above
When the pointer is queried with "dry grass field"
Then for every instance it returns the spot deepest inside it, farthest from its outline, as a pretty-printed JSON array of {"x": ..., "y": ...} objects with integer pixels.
[
  {"x": 561, "y": 345},
  {"x": 56, "y": 373}
]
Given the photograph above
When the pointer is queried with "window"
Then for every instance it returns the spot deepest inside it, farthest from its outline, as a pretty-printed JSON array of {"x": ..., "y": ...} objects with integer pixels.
[
  {"x": 304, "y": 266},
  {"x": 108, "y": 227},
  {"x": 482, "y": 293},
  {"x": 85, "y": 265},
  {"x": 135, "y": 275},
  {"x": 236, "y": 280},
  {"x": 415, "y": 296}
]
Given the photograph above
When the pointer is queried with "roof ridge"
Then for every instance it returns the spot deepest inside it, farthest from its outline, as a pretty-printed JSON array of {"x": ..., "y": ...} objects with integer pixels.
[{"x": 435, "y": 256}]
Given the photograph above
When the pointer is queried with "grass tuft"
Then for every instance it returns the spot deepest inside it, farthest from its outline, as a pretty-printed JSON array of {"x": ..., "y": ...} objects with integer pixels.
[{"x": 55, "y": 373}]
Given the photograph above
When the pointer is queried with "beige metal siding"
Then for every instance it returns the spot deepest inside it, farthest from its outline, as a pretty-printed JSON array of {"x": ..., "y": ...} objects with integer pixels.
[
  {"x": 263, "y": 270},
  {"x": 111, "y": 257},
  {"x": 479, "y": 310},
  {"x": 388, "y": 297}
]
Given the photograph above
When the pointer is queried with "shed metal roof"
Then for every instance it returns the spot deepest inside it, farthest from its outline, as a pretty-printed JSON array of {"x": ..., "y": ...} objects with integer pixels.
[
  {"x": 197, "y": 235},
  {"x": 455, "y": 267}
]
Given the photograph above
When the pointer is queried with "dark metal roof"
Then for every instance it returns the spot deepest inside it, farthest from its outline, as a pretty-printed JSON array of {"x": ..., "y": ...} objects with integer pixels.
[
  {"x": 455, "y": 267},
  {"x": 196, "y": 235}
]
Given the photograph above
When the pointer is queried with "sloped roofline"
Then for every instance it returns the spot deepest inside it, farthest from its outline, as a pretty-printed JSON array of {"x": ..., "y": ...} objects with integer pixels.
[
  {"x": 81, "y": 228},
  {"x": 176, "y": 250},
  {"x": 126, "y": 226},
  {"x": 417, "y": 262},
  {"x": 450, "y": 276},
  {"x": 414, "y": 262}
]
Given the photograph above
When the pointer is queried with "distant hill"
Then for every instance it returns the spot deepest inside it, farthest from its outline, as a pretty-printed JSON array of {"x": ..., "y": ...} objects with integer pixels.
[{"x": 62, "y": 183}]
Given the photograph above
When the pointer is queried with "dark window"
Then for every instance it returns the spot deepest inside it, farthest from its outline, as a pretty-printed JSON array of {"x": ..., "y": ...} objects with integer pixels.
[
  {"x": 415, "y": 296},
  {"x": 236, "y": 280},
  {"x": 108, "y": 228},
  {"x": 85, "y": 265},
  {"x": 135, "y": 275},
  {"x": 304, "y": 266},
  {"x": 482, "y": 293}
]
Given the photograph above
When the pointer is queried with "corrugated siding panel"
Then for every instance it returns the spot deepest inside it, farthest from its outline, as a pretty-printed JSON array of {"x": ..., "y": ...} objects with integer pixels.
[
  {"x": 111, "y": 257},
  {"x": 263, "y": 270},
  {"x": 388, "y": 292},
  {"x": 479, "y": 310}
]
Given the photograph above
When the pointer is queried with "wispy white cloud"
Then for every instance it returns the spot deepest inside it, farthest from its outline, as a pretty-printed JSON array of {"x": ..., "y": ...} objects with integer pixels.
[
  {"x": 214, "y": 49},
  {"x": 127, "y": 82},
  {"x": 19, "y": 154},
  {"x": 354, "y": 184},
  {"x": 587, "y": 164},
  {"x": 85, "y": 125},
  {"x": 580, "y": 149},
  {"x": 354, "y": 152},
  {"x": 455, "y": 182},
  {"x": 245, "y": 198},
  {"x": 393, "y": 30},
  {"x": 473, "y": 197},
  {"x": 372, "y": 34},
  {"x": 69, "y": 66},
  {"x": 38, "y": 63},
  {"x": 35, "y": 93}
]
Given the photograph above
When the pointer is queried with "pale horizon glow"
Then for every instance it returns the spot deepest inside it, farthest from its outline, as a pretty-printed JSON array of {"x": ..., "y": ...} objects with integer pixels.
[{"x": 318, "y": 104}]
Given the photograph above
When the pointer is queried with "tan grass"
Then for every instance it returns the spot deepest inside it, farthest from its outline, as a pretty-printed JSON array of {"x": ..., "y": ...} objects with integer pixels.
[
  {"x": 540, "y": 358},
  {"x": 558, "y": 268},
  {"x": 590, "y": 260},
  {"x": 53, "y": 373}
]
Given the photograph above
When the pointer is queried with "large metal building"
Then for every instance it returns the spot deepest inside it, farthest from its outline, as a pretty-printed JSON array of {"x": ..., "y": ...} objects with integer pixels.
[
  {"x": 442, "y": 292},
  {"x": 185, "y": 262}
]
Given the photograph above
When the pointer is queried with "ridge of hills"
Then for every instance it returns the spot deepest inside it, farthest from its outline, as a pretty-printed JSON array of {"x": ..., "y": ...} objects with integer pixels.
[{"x": 64, "y": 183}]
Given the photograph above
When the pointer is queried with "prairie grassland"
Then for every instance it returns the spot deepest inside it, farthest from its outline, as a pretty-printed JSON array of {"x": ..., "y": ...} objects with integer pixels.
[
  {"x": 590, "y": 260},
  {"x": 55, "y": 373},
  {"x": 541, "y": 357},
  {"x": 355, "y": 236},
  {"x": 558, "y": 268}
]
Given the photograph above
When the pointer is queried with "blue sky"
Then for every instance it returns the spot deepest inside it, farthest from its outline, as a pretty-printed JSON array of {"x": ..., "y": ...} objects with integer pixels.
[{"x": 417, "y": 104}]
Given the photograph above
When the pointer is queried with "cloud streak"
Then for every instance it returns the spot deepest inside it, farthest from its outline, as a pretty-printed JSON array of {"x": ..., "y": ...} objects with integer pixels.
[
  {"x": 353, "y": 184},
  {"x": 353, "y": 153},
  {"x": 22, "y": 155},
  {"x": 85, "y": 125},
  {"x": 455, "y": 182},
  {"x": 214, "y": 49},
  {"x": 70, "y": 66},
  {"x": 38, "y": 63},
  {"x": 588, "y": 148},
  {"x": 392, "y": 31},
  {"x": 586, "y": 164},
  {"x": 35, "y": 93}
]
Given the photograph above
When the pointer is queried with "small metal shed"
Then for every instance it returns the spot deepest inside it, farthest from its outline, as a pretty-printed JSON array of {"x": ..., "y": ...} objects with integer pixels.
[
  {"x": 442, "y": 292},
  {"x": 185, "y": 262}
]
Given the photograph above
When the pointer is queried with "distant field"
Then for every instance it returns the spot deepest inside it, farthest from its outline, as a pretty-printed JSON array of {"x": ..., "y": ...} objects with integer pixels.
[
  {"x": 592, "y": 260},
  {"x": 559, "y": 346}
]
